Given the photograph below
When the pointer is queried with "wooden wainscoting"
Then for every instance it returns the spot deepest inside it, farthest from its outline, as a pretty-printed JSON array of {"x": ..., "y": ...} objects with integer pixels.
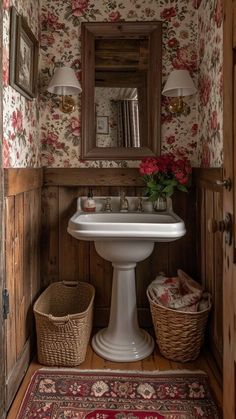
[
  {"x": 22, "y": 232},
  {"x": 209, "y": 199},
  {"x": 65, "y": 258}
]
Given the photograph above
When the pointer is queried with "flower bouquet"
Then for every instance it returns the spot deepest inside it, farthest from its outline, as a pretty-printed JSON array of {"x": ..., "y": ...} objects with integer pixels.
[{"x": 163, "y": 174}]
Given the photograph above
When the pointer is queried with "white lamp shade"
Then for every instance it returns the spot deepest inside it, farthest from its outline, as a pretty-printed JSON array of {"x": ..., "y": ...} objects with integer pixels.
[
  {"x": 179, "y": 83},
  {"x": 64, "y": 82}
]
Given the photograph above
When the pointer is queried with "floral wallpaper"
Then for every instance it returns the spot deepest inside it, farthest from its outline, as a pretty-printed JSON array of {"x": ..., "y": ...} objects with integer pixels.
[
  {"x": 60, "y": 43},
  {"x": 192, "y": 39},
  {"x": 21, "y": 143},
  {"x": 210, "y": 85}
]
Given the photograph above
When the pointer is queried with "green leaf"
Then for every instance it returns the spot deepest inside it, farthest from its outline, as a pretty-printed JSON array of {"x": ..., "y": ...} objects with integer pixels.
[{"x": 182, "y": 188}]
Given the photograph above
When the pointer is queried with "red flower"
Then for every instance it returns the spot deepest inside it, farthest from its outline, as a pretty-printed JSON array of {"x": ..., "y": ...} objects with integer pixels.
[
  {"x": 75, "y": 126},
  {"x": 47, "y": 40},
  {"x": 194, "y": 129},
  {"x": 6, "y": 4},
  {"x": 218, "y": 17},
  {"x": 148, "y": 166},
  {"x": 50, "y": 21},
  {"x": 55, "y": 116},
  {"x": 214, "y": 122},
  {"x": 17, "y": 120},
  {"x": 164, "y": 173},
  {"x": 186, "y": 58},
  {"x": 170, "y": 139},
  {"x": 114, "y": 16},
  {"x": 79, "y": 7},
  {"x": 173, "y": 43},
  {"x": 168, "y": 13}
]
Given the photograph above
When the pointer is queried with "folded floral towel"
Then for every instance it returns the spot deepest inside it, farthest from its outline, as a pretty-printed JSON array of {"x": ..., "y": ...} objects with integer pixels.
[{"x": 179, "y": 293}]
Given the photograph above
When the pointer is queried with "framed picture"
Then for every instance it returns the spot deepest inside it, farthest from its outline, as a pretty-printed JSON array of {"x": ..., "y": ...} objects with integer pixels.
[
  {"x": 102, "y": 125},
  {"x": 23, "y": 56}
]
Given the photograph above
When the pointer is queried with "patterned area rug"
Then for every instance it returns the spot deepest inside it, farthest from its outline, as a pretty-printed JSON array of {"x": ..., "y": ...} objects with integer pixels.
[{"x": 78, "y": 394}]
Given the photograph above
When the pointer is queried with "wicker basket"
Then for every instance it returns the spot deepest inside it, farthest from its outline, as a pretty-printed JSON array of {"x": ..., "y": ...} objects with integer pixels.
[
  {"x": 179, "y": 334},
  {"x": 63, "y": 315}
]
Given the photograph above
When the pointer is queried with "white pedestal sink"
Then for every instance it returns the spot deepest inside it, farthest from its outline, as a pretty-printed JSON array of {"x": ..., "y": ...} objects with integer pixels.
[{"x": 124, "y": 239}]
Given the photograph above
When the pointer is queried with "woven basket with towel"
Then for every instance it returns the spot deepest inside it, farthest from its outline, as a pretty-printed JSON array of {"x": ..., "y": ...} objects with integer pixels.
[{"x": 179, "y": 309}]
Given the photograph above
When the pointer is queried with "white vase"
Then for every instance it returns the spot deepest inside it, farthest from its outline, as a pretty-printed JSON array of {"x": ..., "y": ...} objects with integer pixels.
[{"x": 161, "y": 203}]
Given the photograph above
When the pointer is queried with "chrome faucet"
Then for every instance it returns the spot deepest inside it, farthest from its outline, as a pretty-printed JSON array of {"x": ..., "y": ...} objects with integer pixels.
[
  {"x": 140, "y": 205},
  {"x": 108, "y": 206},
  {"x": 124, "y": 204}
]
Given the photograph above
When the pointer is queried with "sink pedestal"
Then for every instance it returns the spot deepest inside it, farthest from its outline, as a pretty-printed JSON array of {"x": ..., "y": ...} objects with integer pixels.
[{"x": 123, "y": 340}]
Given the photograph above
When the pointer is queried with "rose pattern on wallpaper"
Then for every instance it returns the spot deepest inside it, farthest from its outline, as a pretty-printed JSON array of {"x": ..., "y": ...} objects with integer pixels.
[
  {"x": 60, "y": 43},
  {"x": 210, "y": 85},
  {"x": 21, "y": 144},
  {"x": 197, "y": 135}
]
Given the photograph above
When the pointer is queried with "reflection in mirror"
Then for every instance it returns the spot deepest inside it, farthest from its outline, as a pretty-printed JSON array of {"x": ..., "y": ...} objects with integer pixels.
[
  {"x": 121, "y": 107},
  {"x": 121, "y": 77}
]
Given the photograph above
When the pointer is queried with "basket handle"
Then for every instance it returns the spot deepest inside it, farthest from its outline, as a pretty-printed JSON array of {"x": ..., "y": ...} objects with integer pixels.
[
  {"x": 70, "y": 283},
  {"x": 59, "y": 320}
]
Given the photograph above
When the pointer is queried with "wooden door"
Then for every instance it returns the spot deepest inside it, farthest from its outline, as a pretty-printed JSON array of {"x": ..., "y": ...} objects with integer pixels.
[
  {"x": 22, "y": 261},
  {"x": 229, "y": 201}
]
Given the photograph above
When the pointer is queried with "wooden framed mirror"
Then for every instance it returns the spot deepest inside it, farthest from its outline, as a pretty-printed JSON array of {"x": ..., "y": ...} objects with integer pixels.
[{"x": 121, "y": 96}]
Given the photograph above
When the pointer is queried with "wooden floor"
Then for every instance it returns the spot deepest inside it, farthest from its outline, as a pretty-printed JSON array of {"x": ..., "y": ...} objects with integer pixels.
[{"x": 153, "y": 362}]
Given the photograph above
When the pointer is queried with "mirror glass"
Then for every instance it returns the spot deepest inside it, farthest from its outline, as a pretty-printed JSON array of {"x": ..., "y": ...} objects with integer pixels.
[
  {"x": 121, "y": 77},
  {"x": 117, "y": 117}
]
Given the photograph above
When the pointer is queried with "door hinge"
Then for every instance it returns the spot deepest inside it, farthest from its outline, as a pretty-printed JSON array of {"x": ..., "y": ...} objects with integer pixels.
[{"x": 5, "y": 303}]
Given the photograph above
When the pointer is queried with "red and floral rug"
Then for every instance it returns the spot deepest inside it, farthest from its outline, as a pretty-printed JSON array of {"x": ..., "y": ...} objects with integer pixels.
[{"x": 78, "y": 394}]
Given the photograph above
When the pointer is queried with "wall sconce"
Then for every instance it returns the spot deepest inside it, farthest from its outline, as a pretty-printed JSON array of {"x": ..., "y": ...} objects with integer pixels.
[
  {"x": 65, "y": 83},
  {"x": 178, "y": 85}
]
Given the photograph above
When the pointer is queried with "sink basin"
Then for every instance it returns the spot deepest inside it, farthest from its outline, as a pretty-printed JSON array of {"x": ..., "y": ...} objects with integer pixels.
[
  {"x": 124, "y": 239},
  {"x": 162, "y": 227}
]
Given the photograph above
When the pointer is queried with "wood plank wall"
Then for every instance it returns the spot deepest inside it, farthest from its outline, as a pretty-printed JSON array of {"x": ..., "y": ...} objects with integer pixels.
[
  {"x": 22, "y": 247},
  {"x": 209, "y": 205},
  {"x": 65, "y": 258},
  {"x": 199, "y": 253}
]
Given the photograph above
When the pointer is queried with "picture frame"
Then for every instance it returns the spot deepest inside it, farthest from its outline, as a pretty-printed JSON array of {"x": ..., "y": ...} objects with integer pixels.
[
  {"x": 23, "y": 56},
  {"x": 102, "y": 125}
]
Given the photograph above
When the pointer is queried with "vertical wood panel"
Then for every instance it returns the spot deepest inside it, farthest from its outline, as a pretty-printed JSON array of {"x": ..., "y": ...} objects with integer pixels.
[
  {"x": 28, "y": 260},
  {"x": 50, "y": 235},
  {"x": 73, "y": 254},
  {"x": 10, "y": 325},
  {"x": 210, "y": 255},
  {"x": 21, "y": 335},
  {"x": 218, "y": 281},
  {"x": 23, "y": 220}
]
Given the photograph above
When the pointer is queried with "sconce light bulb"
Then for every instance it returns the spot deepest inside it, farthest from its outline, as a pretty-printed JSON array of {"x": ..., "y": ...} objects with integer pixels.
[{"x": 67, "y": 104}]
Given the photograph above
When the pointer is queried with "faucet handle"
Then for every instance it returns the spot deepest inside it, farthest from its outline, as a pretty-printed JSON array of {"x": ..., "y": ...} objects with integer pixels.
[
  {"x": 140, "y": 205},
  {"x": 108, "y": 206},
  {"x": 124, "y": 203}
]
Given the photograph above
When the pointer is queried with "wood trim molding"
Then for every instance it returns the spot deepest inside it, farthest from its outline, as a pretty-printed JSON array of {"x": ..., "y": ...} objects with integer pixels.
[
  {"x": 208, "y": 176},
  {"x": 89, "y": 177},
  {"x": 115, "y": 177},
  {"x": 22, "y": 180}
]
